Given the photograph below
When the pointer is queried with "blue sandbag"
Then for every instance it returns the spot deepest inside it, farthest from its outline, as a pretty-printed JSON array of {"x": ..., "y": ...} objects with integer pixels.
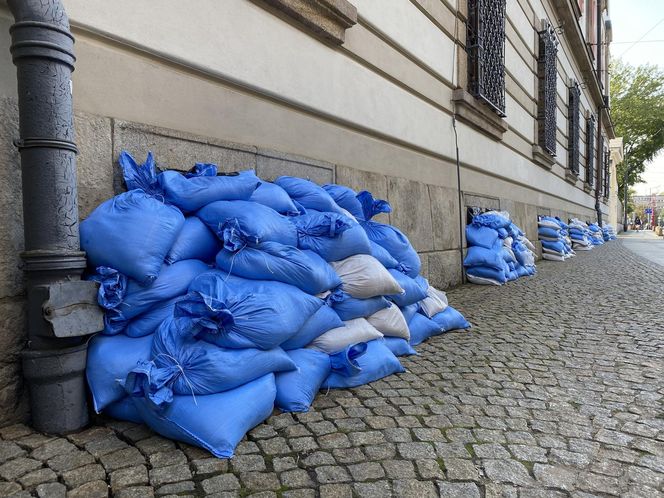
[
  {"x": 139, "y": 176},
  {"x": 240, "y": 313},
  {"x": 370, "y": 206},
  {"x": 493, "y": 220},
  {"x": 110, "y": 359},
  {"x": 377, "y": 362},
  {"x": 305, "y": 270},
  {"x": 413, "y": 291},
  {"x": 181, "y": 364},
  {"x": 215, "y": 422},
  {"x": 308, "y": 194},
  {"x": 273, "y": 196},
  {"x": 297, "y": 389},
  {"x": 112, "y": 286},
  {"x": 173, "y": 281},
  {"x": 345, "y": 362},
  {"x": 490, "y": 273},
  {"x": 191, "y": 194},
  {"x": 331, "y": 235},
  {"x": 409, "y": 311},
  {"x": 381, "y": 254},
  {"x": 397, "y": 244},
  {"x": 195, "y": 241},
  {"x": 477, "y": 235},
  {"x": 548, "y": 232},
  {"x": 148, "y": 322},
  {"x": 124, "y": 409},
  {"x": 557, "y": 246},
  {"x": 132, "y": 232},
  {"x": 349, "y": 308},
  {"x": 421, "y": 328},
  {"x": 399, "y": 346},
  {"x": 450, "y": 319},
  {"x": 320, "y": 322},
  {"x": 243, "y": 223},
  {"x": 345, "y": 198},
  {"x": 481, "y": 256}
]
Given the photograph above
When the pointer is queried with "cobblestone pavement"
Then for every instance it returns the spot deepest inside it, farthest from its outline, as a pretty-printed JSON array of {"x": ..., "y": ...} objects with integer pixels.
[{"x": 556, "y": 391}]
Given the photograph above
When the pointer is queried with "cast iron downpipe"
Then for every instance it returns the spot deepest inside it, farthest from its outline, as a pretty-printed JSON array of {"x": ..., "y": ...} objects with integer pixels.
[
  {"x": 61, "y": 307},
  {"x": 600, "y": 151}
]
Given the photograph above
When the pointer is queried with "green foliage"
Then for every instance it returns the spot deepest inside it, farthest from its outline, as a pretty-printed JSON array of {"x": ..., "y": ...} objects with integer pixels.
[{"x": 637, "y": 111}]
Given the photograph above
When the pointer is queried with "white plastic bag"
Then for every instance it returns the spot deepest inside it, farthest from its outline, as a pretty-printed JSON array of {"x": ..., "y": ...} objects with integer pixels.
[
  {"x": 353, "y": 331},
  {"x": 434, "y": 303},
  {"x": 390, "y": 322},
  {"x": 363, "y": 277}
]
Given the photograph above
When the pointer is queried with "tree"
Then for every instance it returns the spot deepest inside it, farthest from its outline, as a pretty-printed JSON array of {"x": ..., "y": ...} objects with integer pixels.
[{"x": 637, "y": 111}]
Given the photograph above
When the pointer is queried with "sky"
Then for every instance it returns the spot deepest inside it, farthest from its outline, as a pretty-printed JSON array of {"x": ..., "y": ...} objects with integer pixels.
[{"x": 631, "y": 20}]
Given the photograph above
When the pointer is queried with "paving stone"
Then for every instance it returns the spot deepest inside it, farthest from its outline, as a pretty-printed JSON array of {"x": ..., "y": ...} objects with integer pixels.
[
  {"x": 223, "y": 482},
  {"x": 299, "y": 493},
  {"x": 130, "y": 476},
  {"x": 330, "y": 474},
  {"x": 336, "y": 491},
  {"x": 416, "y": 450},
  {"x": 490, "y": 450},
  {"x": 15, "y": 431},
  {"x": 52, "y": 448},
  {"x": 93, "y": 433},
  {"x": 528, "y": 453},
  {"x": 134, "y": 492},
  {"x": 50, "y": 490},
  {"x": 297, "y": 478},
  {"x": 411, "y": 488},
  {"x": 81, "y": 475},
  {"x": 248, "y": 463},
  {"x": 429, "y": 469},
  {"x": 555, "y": 476},
  {"x": 367, "y": 471},
  {"x": 260, "y": 481},
  {"x": 99, "y": 447},
  {"x": 318, "y": 458},
  {"x": 92, "y": 489},
  {"x": 380, "y": 451},
  {"x": 167, "y": 475},
  {"x": 176, "y": 488},
  {"x": 126, "y": 457},
  {"x": 348, "y": 455},
  {"x": 507, "y": 471},
  {"x": 458, "y": 489},
  {"x": 280, "y": 464},
  {"x": 399, "y": 469},
  {"x": 377, "y": 489},
  {"x": 34, "y": 440},
  {"x": 9, "y": 450},
  {"x": 36, "y": 477},
  {"x": 166, "y": 458},
  {"x": 155, "y": 444},
  {"x": 16, "y": 468}
]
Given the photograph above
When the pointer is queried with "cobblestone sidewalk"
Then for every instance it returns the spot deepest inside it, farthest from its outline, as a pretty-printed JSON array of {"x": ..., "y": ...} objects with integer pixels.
[{"x": 556, "y": 391}]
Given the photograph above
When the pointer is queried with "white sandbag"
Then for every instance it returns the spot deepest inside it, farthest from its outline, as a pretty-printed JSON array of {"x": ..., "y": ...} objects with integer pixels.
[
  {"x": 434, "y": 303},
  {"x": 552, "y": 239},
  {"x": 528, "y": 243},
  {"x": 390, "y": 322},
  {"x": 353, "y": 331},
  {"x": 481, "y": 280},
  {"x": 548, "y": 224},
  {"x": 546, "y": 250},
  {"x": 363, "y": 277},
  {"x": 553, "y": 256}
]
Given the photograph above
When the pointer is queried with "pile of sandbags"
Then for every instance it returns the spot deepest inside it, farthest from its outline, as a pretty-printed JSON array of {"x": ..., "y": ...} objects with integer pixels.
[
  {"x": 226, "y": 295},
  {"x": 580, "y": 235},
  {"x": 596, "y": 235},
  {"x": 498, "y": 250},
  {"x": 609, "y": 232},
  {"x": 554, "y": 235}
]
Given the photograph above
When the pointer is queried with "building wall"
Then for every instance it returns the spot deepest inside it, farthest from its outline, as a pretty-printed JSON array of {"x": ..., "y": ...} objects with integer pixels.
[{"x": 232, "y": 83}]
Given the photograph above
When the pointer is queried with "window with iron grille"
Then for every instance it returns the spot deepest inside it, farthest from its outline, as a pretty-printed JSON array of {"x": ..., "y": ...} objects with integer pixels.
[
  {"x": 573, "y": 128},
  {"x": 486, "y": 52},
  {"x": 590, "y": 150},
  {"x": 547, "y": 74}
]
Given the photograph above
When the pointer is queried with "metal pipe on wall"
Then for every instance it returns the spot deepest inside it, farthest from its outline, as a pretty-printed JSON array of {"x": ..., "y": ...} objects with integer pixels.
[{"x": 61, "y": 307}]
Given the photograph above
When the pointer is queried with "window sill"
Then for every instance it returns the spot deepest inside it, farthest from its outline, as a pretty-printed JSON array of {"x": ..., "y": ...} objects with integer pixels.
[
  {"x": 543, "y": 158},
  {"x": 587, "y": 188},
  {"x": 470, "y": 111},
  {"x": 571, "y": 177},
  {"x": 327, "y": 19}
]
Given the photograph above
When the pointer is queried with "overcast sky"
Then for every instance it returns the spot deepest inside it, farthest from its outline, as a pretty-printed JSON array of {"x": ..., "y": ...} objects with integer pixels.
[{"x": 631, "y": 20}]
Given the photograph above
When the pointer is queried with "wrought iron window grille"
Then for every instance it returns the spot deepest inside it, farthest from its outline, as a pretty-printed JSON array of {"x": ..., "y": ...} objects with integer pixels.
[
  {"x": 573, "y": 128},
  {"x": 486, "y": 53},
  {"x": 590, "y": 154},
  {"x": 547, "y": 74}
]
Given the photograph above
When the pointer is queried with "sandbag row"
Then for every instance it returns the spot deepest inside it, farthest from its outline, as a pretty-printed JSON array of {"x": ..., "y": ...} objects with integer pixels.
[
  {"x": 553, "y": 233},
  {"x": 498, "y": 250},
  {"x": 609, "y": 232},
  {"x": 225, "y": 295}
]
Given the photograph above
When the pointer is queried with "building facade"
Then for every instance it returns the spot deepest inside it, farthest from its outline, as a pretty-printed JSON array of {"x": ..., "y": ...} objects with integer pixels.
[{"x": 438, "y": 106}]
